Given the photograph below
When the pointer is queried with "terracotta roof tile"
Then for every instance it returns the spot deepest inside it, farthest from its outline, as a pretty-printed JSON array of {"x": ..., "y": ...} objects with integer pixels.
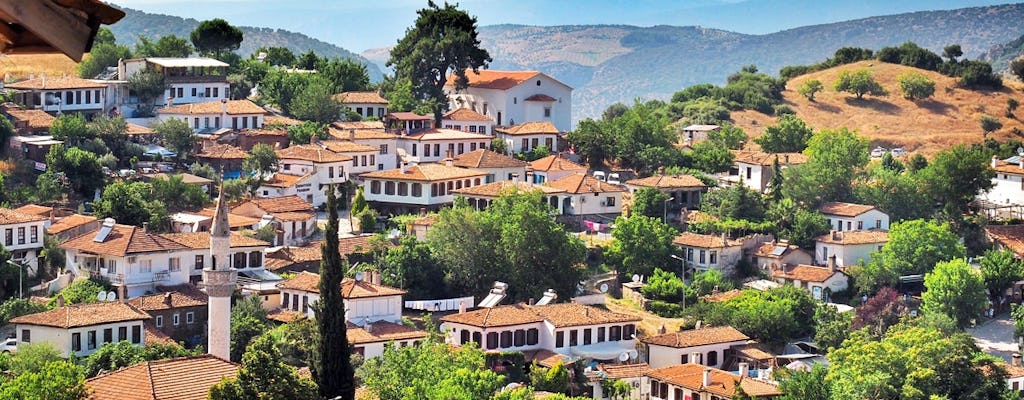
[
  {"x": 855, "y": 237},
  {"x": 135, "y": 129},
  {"x": 186, "y": 178},
  {"x": 360, "y": 98},
  {"x": 311, "y": 152},
  {"x": 155, "y": 336},
  {"x": 122, "y": 240},
  {"x": 767, "y": 159},
  {"x": 234, "y": 220},
  {"x": 691, "y": 239},
  {"x": 1008, "y": 168},
  {"x": 382, "y": 331},
  {"x": 613, "y": 371},
  {"x": 312, "y": 253},
  {"x": 80, "y": 315},
  {"x": 530, "y": 128},
  {"x": 263, "y": 132},
  {"x": 465, "y": 114},
  {"x": 271, "y": 119},
  {"x": 222, "y": 152},
  {"x": 234, "y": 107},
  {"x": 358, "y": 125},
  {"x": 697, "y": 337},
  {"x": 9, "y": 216},
  {"x": 805, "y": 273},
  {"x": 34, "y": 209},
  {"x": 496, "y": 189},
  {"x": 171, "y": 379},
  {"x": 426, "y": 172},
  {"x": 560, "y": 315},
  {"x": 36, "y": 119},
  {"x": 541, "y": 97},
  {"x": 582, "y": 183},
  {"x": 359, "y": 133},
  {"x": 754, "y": 351},
  {"x": 170, "y": 300},
  {"x": 350, "y": 288},
  {"x": 668, "y": 182},
  {"x": 844, "y": 209},
  {"x": 345, "y": 146},
  {"x": 201, "y": 240},
  {"x": 545, "y": 357},
  {"x": 722, "y": 296},
  {"x": 280, "y": 180},
  {"x": 1010, "y": 236},
  {"x": 447, "y": 134},
  {"x": 556, "y": 162},
  {"x": 69, "y": 222},
  {"x": 285, "y": 316},
  {"x": 691, "y": 376},
  {"x": 281, "y": 204},
  {"x": 55, "y": 83},
  {"x": 290, "y": 216},
  {"x": 483, "y": 158},
  {"x": 491, "y": 79},
  {"x": 1014, "y": 370},
  {"x": 408, "y": 116},
  {"x": 767, "y": 250}
]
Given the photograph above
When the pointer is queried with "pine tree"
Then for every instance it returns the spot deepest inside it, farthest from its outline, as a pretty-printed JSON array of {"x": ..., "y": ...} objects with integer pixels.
[
  {"x": 332, "y": 368},
  {"x": 775, "y": 184}
]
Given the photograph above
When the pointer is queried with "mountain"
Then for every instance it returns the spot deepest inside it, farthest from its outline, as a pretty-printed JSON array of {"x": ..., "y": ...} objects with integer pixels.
[
  {"x": 136, "y": 23},
  {"x": 1000, "y": 55},
  {"x": 610, "y": 63}
]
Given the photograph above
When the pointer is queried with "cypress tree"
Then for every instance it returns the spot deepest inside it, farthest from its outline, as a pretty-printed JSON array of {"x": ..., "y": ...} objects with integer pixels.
[{"x": 331, "y": 367}]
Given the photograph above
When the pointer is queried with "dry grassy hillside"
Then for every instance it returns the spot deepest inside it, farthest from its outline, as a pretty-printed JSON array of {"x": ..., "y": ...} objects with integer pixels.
[
  {"x": 19, "y": 66},
  {"x": 947, "y": 118}
]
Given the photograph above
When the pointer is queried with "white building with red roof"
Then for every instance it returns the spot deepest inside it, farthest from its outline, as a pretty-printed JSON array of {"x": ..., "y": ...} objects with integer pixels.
[
  {"x": 81, "y": 329},
  {"x": 409, "y": 188},
  {"x": 684, "y": 191},
  {"x": 707, "y": 346},
  {"x": 849, "y": 247},
  {"x": 435, "y": 145},
  {"x": 527, "y": 136},
  {"x": 186, "y": 378},
  {"x": 293, "y": 217},
  {"x": 23, "y": 235},
  {"x": 820, "y": 282},
  {"x": 1007, "y": 184},
  {"x": 366, "y": 104},
  {"x": 707, "y": 252},
  {"x": 695, "y": 381},
  {"x": 514, "y": 97},
  {"x": 854, "y": 217},
  {"x": 499, "y": 166},
  {"x": 371, "y": 134},
  {"x": 310, "y": 169},
  {"x": 214, "y": 115},
  {"x": 61, "y": 94},
  {"x": 755, "y": 169},
  {"x": 586, "y": 195},
  {"x": 554, "y": 167},
  {"x": 466, "y": 120},
  {"x": 189, "y": 79}
]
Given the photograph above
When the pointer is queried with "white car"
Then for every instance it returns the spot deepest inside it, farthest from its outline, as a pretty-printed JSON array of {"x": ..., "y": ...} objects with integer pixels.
[
  {"x": 9, "y": 346},
  {"x": 898, "y": 152},
  {"x": 878, "y": 152}
]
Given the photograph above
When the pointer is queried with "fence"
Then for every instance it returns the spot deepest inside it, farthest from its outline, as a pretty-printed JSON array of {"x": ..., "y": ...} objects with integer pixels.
[{"x": 441, "y": 304}]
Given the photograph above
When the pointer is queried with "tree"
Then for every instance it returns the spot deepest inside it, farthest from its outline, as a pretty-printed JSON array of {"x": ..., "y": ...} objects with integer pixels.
[
  {"x": 148, "y": 86},
  {"x": 166, "y": 46},
  {"x": 13, "y": 308},
  {"x": 917, "y": 163},
  {"x": 914, "y": 247},
  {"x": 263, "y": 377},
  {"x": 302, "y": 134},
  {"x": 831, "y": 327},
  {"x": 127, "y": 202},
  {"x": 359, "y": 202},
  {"x": 901, "y": 195},
  {"x": 649, "y": 202},
  {"x": 800, "y": 225},
  {"x": 248, "y": 321},
  {"x": 809, "y": 88},
  {"x": 499, "y": 146},
  {"x": 71, "y": 128},
  {"x": 641, "y": 244},
  {"x": 789, "y": 135},
  {"x": 664, "y": 286},
  {"x": 954, "y": 289},
  {"x": 331, "y": 366},
  {"x": 616, "y": 389},
  {"x": 104, "y": 36},
  {"x": 215, "y": 37},
  {"x": 729, "y": 136},
  {"x": 430, "y": 371},
  {"x": 952, "y": 52},
  {"x": 554, "y": 379},
  {"x": 344, "y": 74},
  {"x": 886, "y": 308},
  {"x": 833, "y": 159},
  {"x": 113, "y": 356},
  {"x": 316, "y": 103},
  {"x": 276, "y": 55},
  {"x": 260, "y": 163},
  {"x": 176, "y": 195},
  {"x": 859, "y": 83},
  {"x": 591, "y": 142},
  {"x": 81, "y": 291},
  {"x": 801, "y": 385},
  {"x": 915, "y": 86},
  {"x": 955, "y": 176},
  {"x": 735, "y": 202},
  {"x": 1000, "y": 269},
  {"x": 711, "y": 157},
  {"x": 413, "y": 267},
  {"x": 81, "y": 168},
  {"x": 773, "y": 316},
  {"x": 1017, "y": 68},
  {"x": 176, "y": 135},
  {"x": 989, "y": 124},
  {"x": 101, "y": 56},
  {"x": 56, "y": 380},
  {"x": 442, "y": 41},
  {"x": 6, "y": 130}
]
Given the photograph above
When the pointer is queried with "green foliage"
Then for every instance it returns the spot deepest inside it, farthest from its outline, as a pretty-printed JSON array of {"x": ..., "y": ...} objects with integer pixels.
[
  {"x": 499, "y": 146},
  {"x": 6, "y": 130},
  {"x": 915, "y": 86},
  {"x": 802, "y": 385},
  {"x": 830, "y": 327},
  {"x": 234, "y": 189},
  {"x": 910, "y": 54},
  {"x": 952, "y": 52},
  {"x": 442, "y": 41},
  {"x": 80, "y": 291},
  {"x": 359, "y": 202},
  {"x": 809, "y": 88},
  {"x": 203, "y": 170},
  {"x": 711, "y": 157},
  {"x": 301, "y": 134},
  {"x": 954, "y": 176},
  {"x": 430, "y": 371},
  {"x": 276, "y": 56},
  {"x": 71, "y": 128},
  {"x": 859, "y": 83},
  {"x": 800, "y": 225},
  {"x": 316, "y": 102},
  {"x": 101, "y": 56},
  {"x": 708, "y": 282},
  {"x": 974, "y": 73},
  {"x": 148, "y": 86},
  {"x": 1000, "y": 269},
  {"x": 176, "y": 135},
  {"x": 260, "y": 163},
  {"x": 343, "y": 74},
  {"x": 1017, "y": 314},
  {"x": 413, "y": 267},
  {"x": 264, "y": 377},
  {"x": 297, "y": 341},
  {"x": 901, "y": 195},
  {"x": 248, "y": 321},
  {"x": 648, "y": 201},
  {"x": 215, "y": 37},
  {"x": 989, "y": 124},
  {"x": 730, "y": 136},
  {"x": 834, "y": 157},
  {"x": 914, "y": 247},
  {"x": 166, "y": 46},
  {"x": 176, "y": 195},
  {"x": 591, "y": 142},
  {"x": 737, "y": 202},
  {"x": 664, "y": 286},
  {"x": 554, "y": 379},
  {"x": 331, "y": 362},
  {"x": 367, "y": 221},
  {"x": 641, "y": 244},
  {"x": 56, "y": 380},
  {"x": 12, "y": 308},
  {"x": 789, "y": 135},
  {"x": 956, "y": 290},
  {"x": 844, "y": 55},
  {"x": 131, "y": 203},
  {"x": 616, "y": 389},
  {"x": 113, "y": 356},
  {"x": 1017, "y": 68},
  {"x": 774, "y": 316},
  {"x": 32, "y": 358}
]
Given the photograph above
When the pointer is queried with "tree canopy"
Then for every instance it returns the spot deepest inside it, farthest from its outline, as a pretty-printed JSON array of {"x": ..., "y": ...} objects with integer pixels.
[
  {"x": 914, "y": 247},
  {"x": 430, "y": 371},
  {"x": 264, "y": 377},
  {"x": 641, "y": 244},
  {"x": 915, "y": 86},
  {"x": 789, "y": 135},
  {"x": 215, "y": 36},
  {"x": 859, "y": 83},
  {"x": 954, "y": 289}
]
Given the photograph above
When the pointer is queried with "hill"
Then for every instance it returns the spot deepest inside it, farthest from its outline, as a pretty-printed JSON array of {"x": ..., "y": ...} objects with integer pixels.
[
  {"x": 20, "y": 66},
  {"x": 136, "y": 23},
  {"x": 1000, "y": 55},
  {"x": 949, "y": 117}
]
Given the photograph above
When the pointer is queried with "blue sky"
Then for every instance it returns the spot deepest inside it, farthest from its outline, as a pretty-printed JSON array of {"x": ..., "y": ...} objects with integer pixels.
[{"x": 358, "y": 25}]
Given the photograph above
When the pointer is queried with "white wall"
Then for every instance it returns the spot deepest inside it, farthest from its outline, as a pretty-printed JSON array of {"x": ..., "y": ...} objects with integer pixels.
[
  {"x": 515, "y": 142},
  {"x": 200, "y": 89},
  {"x": 514, "y": 108},
  {"x": 357, "y": 311},
  {"x": 79, "y": 101},
  {"x": 873, "y": 219},
  {"x": 321, "y": 176},
  {"x": 61, "y": 339},
  {"x": 846, "y": 255},
  {"x": 547, "y": 334},
  {"x": 589, "y": 204},
  {"x": 368, "y": 109},
  {"x": 444, "y": 146},
  {"x": 485, "y": 127},
  {"x": 727, "y": 258},
  {"x": 426, "y": 197},
  {"x": 664, "y": 356},
  {"x": 1006, "y": 189},
  {"x": 28, "y": 245},
  {"x": 387, "y": 159},
  {"x": 217, "y": 120}
]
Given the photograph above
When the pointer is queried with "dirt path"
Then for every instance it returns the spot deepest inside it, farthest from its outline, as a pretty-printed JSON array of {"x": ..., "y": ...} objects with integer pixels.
[{"x": 651, "y": 322}]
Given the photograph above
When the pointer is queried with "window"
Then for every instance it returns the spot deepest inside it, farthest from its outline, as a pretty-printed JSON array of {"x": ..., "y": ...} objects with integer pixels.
[
  {"x": 234, "y": 122},
  {"x": 195, "y": 123},
  {"x": 462, "y": 148},
  {"x": 476, "y": 339},
  {"x": 389, "y": 188},
  {"x": 714, "y": 257},
  {"x": 176, "y": 319},
  {"x": 573, "y": 338},
  {"x": 472, "y": 128},
  {"x": 69, "y": 97},
  {"x": 255, "y": 259},
  {"x": 532, "y": 336},
  {"x": 464, "y": 337},
  {"x": 112, "y": 266},
  {"x": 284, "y": 301},
  {"x": 417, "y": 190},
  {"x": 472, "y": 146},
  {"x": 359, "y": 110},
  {"x": 654, "y": 388},
  {"x": 199, "y": 261},
  {"x": 628, "y": 331},
  {"x": 33, "y": 234},
  {"x": 254, "y": 120},
  {"x": 96, "y": 95},
  {"x": 600, "y": 334},
  {"x": 146, "y": 266},
  {"x": 26, "y": 336},
  {"x": 712, "y": 358},
  {"x": 194, "y": 92},
  {"x": 21, "y": 235},
  {"x": 238, "y": 260},
  {"x": 305, "y": 304},
  {"x": 451, "y": 149},
  {"x": 492, "y": 340},
  {"x": 108, "y": 335},
  {"x": 559, "y": 339},
  {"x": 548, "y": 142},
  {"x": 689, "y": 254},
  {"x": 702, "y": 258},
  {"x": 9, "y": 237},
  {"x": 878, "y": 224},
  {"x": 610, "y": 202},
  {"x": 330, "y": 172},
  {"x": 206, "y": 92},
  {"x": 122, "y": 333},
  {"x": 88, "y": 97},
  {"x": 181, "y": 92},
  {"x": 860, "y": 225},
  {"x": 159, "y": 321},
  {"x": 216, "y": 92},
  {"x": 526, "y": 145},
  {"x": 137, "y": 334},
  {"x": 748, "y": 172},
  {"x": 684, "y": 359},
  {"x": 76, "y": 342},
  {"x": 506, "y": 339},
  {"x": 295, "y": 302},
  {"x": 375, "y": 187},
  {"x": 206, "y": 122},
  {"x": 174, "y": 264},
  {"x": 519, "y": 337},
  {"x": 90, "y": 340},
  {"x": 372, "y": 159},
  {"x": 190, "y": 317},
  {"x": 534, "y": 142},
  {"x": 849, "y": 225},
  {"x": 547, "y": 112},
  {"x": 586, "y": 336},
  {"x": 383, "y": 149},
  {"x": 615, "y": 333},
  {"x": 403, "y": 189}
]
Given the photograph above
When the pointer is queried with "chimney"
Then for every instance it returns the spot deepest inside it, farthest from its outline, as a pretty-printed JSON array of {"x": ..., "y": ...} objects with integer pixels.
[
  {"x": 60, "y": 300},
  {"x": 43, "y": 77},
  {"x": 170, "y": 101},
  {"x": 995, "y": 161},
  {"x": 695, "y": 358},
  {"x": 376, "y": 277},
  {"x": 462, "y": 307},
  {"x": 448, "y": 162},
  {"x": 787, "y": 159},
  {"x": 835, "y": 235},
  {"x": 405, "y": 167},
  {"x": 352, "y": 134},
  {"x": 744, "y": 369},
  {"x": 122, "y": 293},
  {"x": 368, "y": 326},
  {"x": 530, "y": 301},
  {"x": 725, "y": 240},
  {"x": 515, "y": 179},
  {"x": 1015, "y": 360},
  {"x": 832, "y": 263},
  {"x": 707, "y": 377},
  {"x": 661, "y": 329},
  {"x": 423, "y": 211},
  {"x": 167, "y": 298},
  {"x": 1020, "y": 162}
]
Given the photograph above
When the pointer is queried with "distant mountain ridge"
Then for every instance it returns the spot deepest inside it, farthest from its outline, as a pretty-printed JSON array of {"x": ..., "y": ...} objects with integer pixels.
[{"x": 137, "y": 23}]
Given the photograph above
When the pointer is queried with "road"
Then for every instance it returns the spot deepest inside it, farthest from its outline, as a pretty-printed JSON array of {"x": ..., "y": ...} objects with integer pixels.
[{"x": 996, "y": 337}]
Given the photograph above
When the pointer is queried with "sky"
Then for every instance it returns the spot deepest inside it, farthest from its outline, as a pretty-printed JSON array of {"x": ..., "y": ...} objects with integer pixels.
[{"x": 358, "y": 25}]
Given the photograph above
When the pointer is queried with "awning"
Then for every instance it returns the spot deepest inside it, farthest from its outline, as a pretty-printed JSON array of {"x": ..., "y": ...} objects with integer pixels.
[
  {"x": 604, "y": 351},
  {"x": 154, "y": 150}
]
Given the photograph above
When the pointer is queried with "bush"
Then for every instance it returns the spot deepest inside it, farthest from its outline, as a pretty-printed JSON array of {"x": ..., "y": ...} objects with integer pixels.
[{"x": 665, "y": 309}]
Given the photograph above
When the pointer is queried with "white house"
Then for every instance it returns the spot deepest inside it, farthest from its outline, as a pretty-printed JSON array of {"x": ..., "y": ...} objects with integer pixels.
[
  {"x": 364, "y": 157},
  {"x": 849, "y": 247},
  {"x": 755, "y": 169},
  {"x": 57, "y": 95},
  {"x": 693, "y": 134},
  {"x": 483, "y": 195},
  {"x": 854, "y": 217},
  {"x": 437, "y": 144},
  {"x": 409, "y": 188},
  {"x": 1008, "y": 182},
  {"x": 683, "y": 191},
  {"x": 821, "y": 282},
  {"x": 499, "y": 166},
  {"x": 366, "y": 104},
  {"x": 23, "y": 235},
  {"x": 586, "y": 195},
  {"x": 568, "y": 329},
  {"x": 386, "y": 143},
  {"x": 779, "y": 252},
  {"x": 706, "y": 252},
  {"x": 80, "y": 329},
  {"x": 218, "y": 114},
  {"x": 1015, "y": 380},
  {"x": 314, "y": 167},
  {"x": 294, "y": 217},
  {"x": 705, "y": 346},
  {"x": 512, "y": 97},
  {"x": 527, "y": 136},
  {"x": 466, "y": 120},
  {"x": 189, "y": 80},
  {"x": 554, "y": 167},
  {"x": 695, "y": 381},
  {"x": 632, "y": 374}
]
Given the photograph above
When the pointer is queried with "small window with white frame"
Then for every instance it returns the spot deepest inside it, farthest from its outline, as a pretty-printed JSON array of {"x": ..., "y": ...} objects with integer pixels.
[
  {"x": 176, "y": 319},
  {"x": 159, "y": 321},
  {"x": 190, "y": 318}
]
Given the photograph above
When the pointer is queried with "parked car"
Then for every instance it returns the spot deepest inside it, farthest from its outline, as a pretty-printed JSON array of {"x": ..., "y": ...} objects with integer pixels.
[
  {"x": 9, "y": 346},
  {"x": 898, "y": 152},
  {"x": 878, "y": 152}
]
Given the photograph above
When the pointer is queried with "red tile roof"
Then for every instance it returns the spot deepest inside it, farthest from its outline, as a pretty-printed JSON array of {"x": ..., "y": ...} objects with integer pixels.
[
  {"x": 281, "y": 204},
  {"x": 357, "y": 125},
  {"x": 271, "y": 119},
  {"x": 350, "y": 133},
  {"x": 1008, "y": 168},
  {"x": 613, "y": 371},
  {"x": 691, "y": 239},
  {"x": 182, "y": 298},
  {"x": 360, "y": 98},
  {"x": 545, "y": 357},
  {"x": 80, "y": 315},
  {"x": 483, "y": 158},
  {"x": 496, "y": 189},
  {"x": 426, "y": 172},
  {"x": 1010, "y": 236},
  {"x": 122, "y": 240},
  {"x": 408, "y": 116},
  {"x": 448, "y": 134},
  {"x": 350, "y": 288},
  {"x": 55, "y": 83},
  {"x": 9, "y": 217},
  {"x": 556, "y": 162},
  {"x": 382, "y": 331},
  {"x": 582, "y": 183},
  {"x": 465, "y": 114},
  {"x": 691, "y": 376},
  {"x": 234, "y": 220},
  {"x": 768, "y": 159},
  {"x": 855, "y": 237},
  {"x": 530, "y": 128},
  {"x": 201, "y": 240},
  {"x": 36, "y": 119},
  {"x": 171, "y": 379},
  {"x": 560, "y": 315},
  {"x": 234, "y": 107},
  {"x": 33, "y": 209},
  {"x": 844, "y": 209},
  {"x": 697, "y": 337},
  {"x": 311, "y": 152},
  {"x": 668, "y": 182},
  {"x": 491, "y": 79},
  {"x": 280, "y": 180},
  {"x": 69, "y": 222},
  {"x": 222, "y": 152},
  {"x": 805, "y": 273},
  {"x": 345, "y": 146}
]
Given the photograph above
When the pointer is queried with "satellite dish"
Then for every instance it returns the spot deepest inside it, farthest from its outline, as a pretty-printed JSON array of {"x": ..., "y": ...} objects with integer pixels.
[
  {"x": 624, "y": 357},
  {"x": 101, "y": 296},
  {"x": 1020, "y": 151},
  {"x": 604, "y": 288},
  {"x": 359, "y": 276},
  {"x": 111, "y": 296},
  {"x": 636, "y": 278}
]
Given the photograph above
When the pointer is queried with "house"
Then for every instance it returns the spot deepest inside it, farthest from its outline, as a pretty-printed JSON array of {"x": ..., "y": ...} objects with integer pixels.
[
  {"x": 1015, "y": 380},
  {"x": 249, "y": 138},
  {"x": 363, "y": 156},
  {"x": 224, "y": 158},
  {"x": 202, "y": 220},
  {"x": 409, "y": 188},
  {"x": 706, "y": 252},
  {"x": 710, "y": 346},
  {"x": 693, "y": 134},
  {"x": 466, "y": 120},
  {"x": 73, "y": 225},
  {"x": 587, "y": 196},
  {"x": 527, "y": 136},
  {"x": 500, "y": 166},
  {"x": 139, "y": 261},
  {"x": 849, "y": 247},
  {"x": 23, "y": 235},
  {"x": 185, "y": 378},
  {"x": 779, "y": 252},
  {"x": 632, "y": 374},
  {"x": 180, "y": 312},
  {"x": 482, "y": 196},
  {"x": 189, "y": 80},
  {"x": 407, "y": 123},
  {"x": 210, "y": 116},
  {"x": 554, "y": 167},
  {"x": 293, "y": 216},
  {"x": 369, "y": 339},
  {"x": 385, "y": 143},
  {"x": 683, "y": 191},
  {"x": 422, "y": 225},
  {"x": 366, "y": 104},
  {"x": 511, "y": 96},
  {"x": 755, "y": 169},
  {"x": 78, "y": 330},
  {"x": 316, "y": 168},
  {"x": 307, "y": 258},
  {"x": 1007, "y": 184},
  {"x": 821, "y": 282},
  {"x": 58, "y": 95},
  {"x": 434, "y": 145},
  {"x": 31, "y": 122},
  {"x": 186, "y": 178},
  {"x": 695, "y": 381},
  {"x": 568, "y": 329},
  {"x": 34, "y": 148},
  {"x": 366, "y": 300},
  {"x": 854, "y": 216}
]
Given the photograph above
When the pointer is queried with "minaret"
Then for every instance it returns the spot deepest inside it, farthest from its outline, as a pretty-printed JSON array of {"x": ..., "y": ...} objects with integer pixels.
[{"x": 219, "y": 278}]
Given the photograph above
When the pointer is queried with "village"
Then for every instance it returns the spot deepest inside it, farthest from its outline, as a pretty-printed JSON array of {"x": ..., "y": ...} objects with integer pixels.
[{"x": 171, "y": 223}]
